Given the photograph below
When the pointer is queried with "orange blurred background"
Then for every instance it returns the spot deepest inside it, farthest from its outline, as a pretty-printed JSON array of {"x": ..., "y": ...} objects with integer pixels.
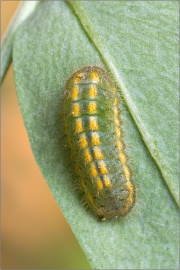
[{"x": 34, "y": 231}]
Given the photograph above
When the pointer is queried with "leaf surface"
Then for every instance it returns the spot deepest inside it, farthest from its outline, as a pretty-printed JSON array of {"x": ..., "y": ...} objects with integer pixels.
[{"x": 137, "y": 42}]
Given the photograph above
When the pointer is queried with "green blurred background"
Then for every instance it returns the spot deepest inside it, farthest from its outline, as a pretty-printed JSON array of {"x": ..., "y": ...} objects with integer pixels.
[{"x": 34, "y": 231}]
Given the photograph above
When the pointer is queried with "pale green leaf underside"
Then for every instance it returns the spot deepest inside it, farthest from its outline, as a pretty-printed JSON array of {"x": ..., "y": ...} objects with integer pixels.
[{"x": 138, "y": 43}]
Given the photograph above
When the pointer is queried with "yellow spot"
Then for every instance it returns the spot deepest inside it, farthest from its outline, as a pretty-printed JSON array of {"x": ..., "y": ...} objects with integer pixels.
[
  {"x": 126, "y": 172},
  {"x": 114, "y": 90},
  {"x": 118, "y": 134},
  {"x": 69, "y": 142},
  {"x": 83, "y": 141},
  {"x": 93, "y": 125},
  {"x": 107, "y": 181},
  {"x": 116, "y": 121},
  {"x": 90, "y": 198},
  {"x": 99, "y": 183},
  {"x": 83, "y": 183},
  {"x": 115, "y": 102},
  {"x": 87, "y": 156},
  {"x": 95, "y": 77},
  {"x": 75, "y": 91},
  {"x": 119, "y": 145},
  {"x": 78, "y": 78},
  {"x": 102, "y": 167},
  {"x": 125, "y": 209},
  {"x": 93, "y": 170},
  {"x": 95, "y": 139},
  {"x": 131, "y": 191},
  {"x": 97, "y": 153},
  {"x": 122, "y": 158},
  {"x": 116, "y": 111},
  {"x": 75, "y": 109},
  {"x": 92, "y": 107},
  {"x": 78, "y": 126},
  {"x": 92, "y": 91}
]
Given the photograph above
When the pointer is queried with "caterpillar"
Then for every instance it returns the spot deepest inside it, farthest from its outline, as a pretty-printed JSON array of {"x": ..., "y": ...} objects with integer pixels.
[{"x": 94, "y": 129}]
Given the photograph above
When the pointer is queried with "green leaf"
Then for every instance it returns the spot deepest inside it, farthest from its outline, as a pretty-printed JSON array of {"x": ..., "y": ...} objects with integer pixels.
[{"x": 137, "y": 42}]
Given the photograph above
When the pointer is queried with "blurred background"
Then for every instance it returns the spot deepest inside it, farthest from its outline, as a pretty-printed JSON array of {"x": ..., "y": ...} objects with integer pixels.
[{"x": 34, "y": 231}]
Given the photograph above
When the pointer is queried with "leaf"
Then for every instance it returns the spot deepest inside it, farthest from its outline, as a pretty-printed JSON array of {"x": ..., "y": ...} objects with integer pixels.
[{"x": 137, "y": 42}]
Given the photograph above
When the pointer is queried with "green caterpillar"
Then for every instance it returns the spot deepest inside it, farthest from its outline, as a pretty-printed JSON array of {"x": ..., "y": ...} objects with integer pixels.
[{"x": 93, "y": 125}]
